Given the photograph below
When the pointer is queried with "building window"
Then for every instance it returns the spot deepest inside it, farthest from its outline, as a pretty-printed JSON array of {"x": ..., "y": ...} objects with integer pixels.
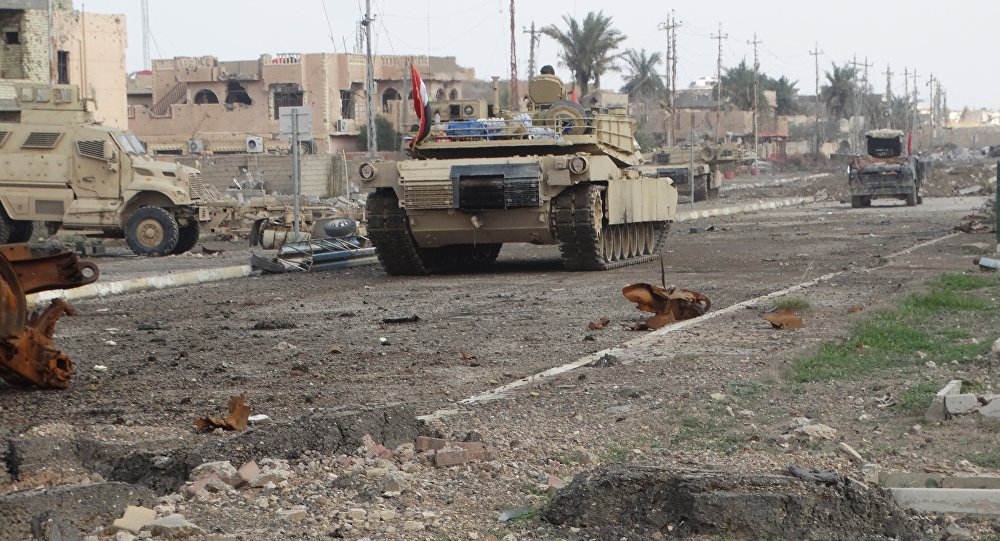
[
  {"x": 205, "y": 96},
  {"x": 12, "y": 37},
  {"x": 236, "y": 93},
  {"x": 62, "y": 67},
  {"x": 453, "y": 95},
  {"x": 286, "y": 98},
  {"x": 390, "y": 95},
  {"x": 439, "y": 96},
  {"x": 346, "y": 104}
]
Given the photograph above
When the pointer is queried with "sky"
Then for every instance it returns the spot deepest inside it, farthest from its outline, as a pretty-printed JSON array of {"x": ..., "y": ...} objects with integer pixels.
[{"x": 950, "y": 40}]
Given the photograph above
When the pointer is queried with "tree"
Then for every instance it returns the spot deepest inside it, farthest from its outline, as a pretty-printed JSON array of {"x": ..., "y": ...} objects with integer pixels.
[
  {"x": 386, "y": 136},
  {"x": 785, "y": 94},
  {"x": 588, "y": 47},
  {"x": 838, "y": 93},
  {"x": 642, "y": 78},
  {"x": 737, "y": 86}
]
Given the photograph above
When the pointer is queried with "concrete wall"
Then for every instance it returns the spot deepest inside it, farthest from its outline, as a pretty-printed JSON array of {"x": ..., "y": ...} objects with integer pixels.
[
  {"x": 321, "y": 174},
  {"x": 94, "y": 41}
]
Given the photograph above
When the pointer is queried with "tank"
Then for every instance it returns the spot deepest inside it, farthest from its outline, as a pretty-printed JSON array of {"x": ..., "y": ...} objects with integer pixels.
[
  {"x": 554, "y": 173},
  {"x": 887, "y": 171},
  {"x": 696, "y": 171}
]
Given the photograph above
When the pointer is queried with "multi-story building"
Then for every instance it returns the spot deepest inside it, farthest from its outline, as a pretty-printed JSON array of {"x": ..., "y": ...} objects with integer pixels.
[
  {"x": 86, "y": 49},
  {"x": 204, "y": 105}
]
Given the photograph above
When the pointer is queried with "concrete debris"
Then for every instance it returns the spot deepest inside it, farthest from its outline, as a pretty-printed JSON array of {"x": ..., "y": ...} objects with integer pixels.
[
  {"x": 784, "y": 319},
  {"x": 222, "y": 469},
  {"x": 936, "y": 411},
  {"x": 960, "y": 404},
  {"x": 954, "y": 532},
  {"x": 987, "y": 263},
  {"x": 816, "y": 431},
  {"x": 84, "y": 507},
  {"x": 850, "y": 452},
  {"x": 173, "y": 527},
  {"x": 237, "y": 419},
  {"x": 134, "y": 519},
  {"x": 648, "y": 502},
  {"x": 605, "y": 361}
]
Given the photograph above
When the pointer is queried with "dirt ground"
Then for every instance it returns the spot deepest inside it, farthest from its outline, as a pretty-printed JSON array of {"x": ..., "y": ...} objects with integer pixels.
[{"x": 715, "y": 395}]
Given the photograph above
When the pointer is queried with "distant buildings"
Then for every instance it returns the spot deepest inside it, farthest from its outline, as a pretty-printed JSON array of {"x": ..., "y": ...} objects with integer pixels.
[
  {"x": 204, "y": 105},
  {"x": 87, "y": 49}
]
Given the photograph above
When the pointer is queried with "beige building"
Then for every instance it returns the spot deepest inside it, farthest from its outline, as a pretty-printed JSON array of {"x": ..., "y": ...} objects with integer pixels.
[
  {"x": 206, "y": 106},
  {"x": 87, "y": 49}
]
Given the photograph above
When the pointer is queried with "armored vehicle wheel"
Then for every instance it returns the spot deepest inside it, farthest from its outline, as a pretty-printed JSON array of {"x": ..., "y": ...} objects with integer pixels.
[
  {"x": 6, "y": 228},
  {"x": 587, "y": 242},
  {"x": 713, "y": 194},
  {"x": 187, "y": 237},
  {"x": 151, "y": 231},
  {"x": 857, "y": 201},
  {"x": 21, "y": 231},
  {"x": 911, "y": 199}
]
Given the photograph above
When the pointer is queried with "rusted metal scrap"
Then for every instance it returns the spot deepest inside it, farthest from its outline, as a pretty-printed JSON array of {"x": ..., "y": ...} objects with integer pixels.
[
  {"x": 669, "y": 305},
  {"x": 239, "y": 414},
  {"x": 599, "y": 324},
  {"x": 27, "y": 353},
  {"x": 785, "y": 318}
]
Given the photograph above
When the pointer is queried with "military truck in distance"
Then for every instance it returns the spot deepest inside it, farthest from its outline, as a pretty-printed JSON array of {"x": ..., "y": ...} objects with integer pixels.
[
  {"x": 885, "y": 172},
  {"x": 554, "y": 174},
  {"x": 63, "y": 168}
]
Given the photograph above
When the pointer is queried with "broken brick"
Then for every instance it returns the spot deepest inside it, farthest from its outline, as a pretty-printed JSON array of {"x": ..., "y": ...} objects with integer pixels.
[
  {"x": 451, "y": 457},
  {"x": 476, "y": 449},
  {"x": 423, "y": 443}
]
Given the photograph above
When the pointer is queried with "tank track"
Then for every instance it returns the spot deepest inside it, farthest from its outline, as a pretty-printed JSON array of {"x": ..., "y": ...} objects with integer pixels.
[
  {"x": 397, "y": 251},
  {"x": 579, "y": 242}
]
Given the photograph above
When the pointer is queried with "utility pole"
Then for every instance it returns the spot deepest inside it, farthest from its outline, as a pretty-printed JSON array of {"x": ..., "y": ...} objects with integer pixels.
[
  {"x": 718, "y": 84},
  {"x": 146, "y": 62},
  {"x": 888, "y": 94},
  {"x": 370, "y": 80},
  {"x": 932, "y": 103},
  {"x": 859, "y": 99},
  {"x": 916, "y": 102},
  {"x": 815, "y": 54},
  {"x": 515, "y": 100},
  {"x": 671, "y": 27},
  {"x": 906, "y": 94},
  {"x": 944, "y": 107},
  {"x": 756, "y": 94},
  {"x": 535, "y": 37}
]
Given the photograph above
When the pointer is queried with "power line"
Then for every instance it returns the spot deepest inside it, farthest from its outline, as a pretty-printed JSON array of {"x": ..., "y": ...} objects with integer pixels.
[
  {"x": 718, "y": 82},
  {"x": 536, "y": 36},
  {"x": 815, "y": 53},
  {"x": 756, "y": 91},
  {"x": 671, "y": 26}
]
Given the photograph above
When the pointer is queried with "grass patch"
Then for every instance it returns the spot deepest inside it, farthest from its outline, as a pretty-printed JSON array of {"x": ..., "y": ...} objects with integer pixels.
[
  {"x": 746, "y": 389},
  {"x": 920, "y": 323},
  {"x": 941, "y": 301},
  {"x": 988, "y": 459},
  {"x": 962, "y": 282},
  {"x": 796, "y": 303},
  {"x": 916, "y": 398},
  {"x": 612, "y": 453}
]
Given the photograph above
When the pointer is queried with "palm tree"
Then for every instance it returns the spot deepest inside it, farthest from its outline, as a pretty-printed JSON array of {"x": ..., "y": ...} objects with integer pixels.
[
  {"x": 838, "y": 93},
  {"x": 785, "y": 92},
  {"x": 642, "y": 79},
  {"x": 588, "y": 47},
  {"x": 737, "y": 86}
]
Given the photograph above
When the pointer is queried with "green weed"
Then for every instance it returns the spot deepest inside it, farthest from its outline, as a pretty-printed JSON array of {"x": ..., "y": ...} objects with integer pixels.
[{"x": 796, "y": 303}]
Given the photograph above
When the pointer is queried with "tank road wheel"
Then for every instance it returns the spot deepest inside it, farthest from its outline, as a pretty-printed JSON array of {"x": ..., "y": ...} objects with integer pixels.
[
  {"x": 151, "y": 231},
  {"x": 587, "y": 242},
  {"x": 188, "y": 237},
  {"x": 389, "y": 231}
]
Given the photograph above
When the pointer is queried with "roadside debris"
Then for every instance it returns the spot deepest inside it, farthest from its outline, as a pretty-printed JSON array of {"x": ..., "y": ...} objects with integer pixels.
[
  {"x": 606, "y": 360},
  {"x": 973, "y": 223},
  {"x": 599, "y": 324},
  {"x": 669, "y": 305},
  {"x": 239, "y": 414},
  {"x": 828, "y": 477},
  {"x": 987, "y": 264},
  {"x": 334, "y": 252},
  {"x": 402, "y": 319},
  {"x": 784, "y": 319},
  {"x": 951, "y": 402},
  {"x": 209, "y": 251},
  {"x": 855, "y": 308}
]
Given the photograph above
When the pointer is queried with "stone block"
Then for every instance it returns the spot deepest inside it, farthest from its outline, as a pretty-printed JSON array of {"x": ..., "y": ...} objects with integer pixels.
[
  {"x": 476, "y": 449},
  {"x": 936, "y": 411},
  {"x": 948, "y": 500},
  {"x": 991, "y": 411},
  {"x": 959, "y": 404}
]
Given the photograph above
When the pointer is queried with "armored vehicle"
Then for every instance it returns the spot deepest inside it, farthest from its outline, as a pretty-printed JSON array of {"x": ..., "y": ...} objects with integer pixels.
[
  {"x": 886, "y": 172},
  {"x": 63, "y": 168},
  {"x": 702, "y": 179},
  {"x": 556, "y": 173}
]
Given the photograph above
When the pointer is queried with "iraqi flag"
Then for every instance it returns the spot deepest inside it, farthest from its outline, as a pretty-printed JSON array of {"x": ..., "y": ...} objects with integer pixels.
[{"x": 421, "y": 105}]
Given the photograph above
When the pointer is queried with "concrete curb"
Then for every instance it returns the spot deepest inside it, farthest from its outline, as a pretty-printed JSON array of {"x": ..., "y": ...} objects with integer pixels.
[
  {"x": 743, "y": 209},
  {"x": 949, "y": 500}
]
